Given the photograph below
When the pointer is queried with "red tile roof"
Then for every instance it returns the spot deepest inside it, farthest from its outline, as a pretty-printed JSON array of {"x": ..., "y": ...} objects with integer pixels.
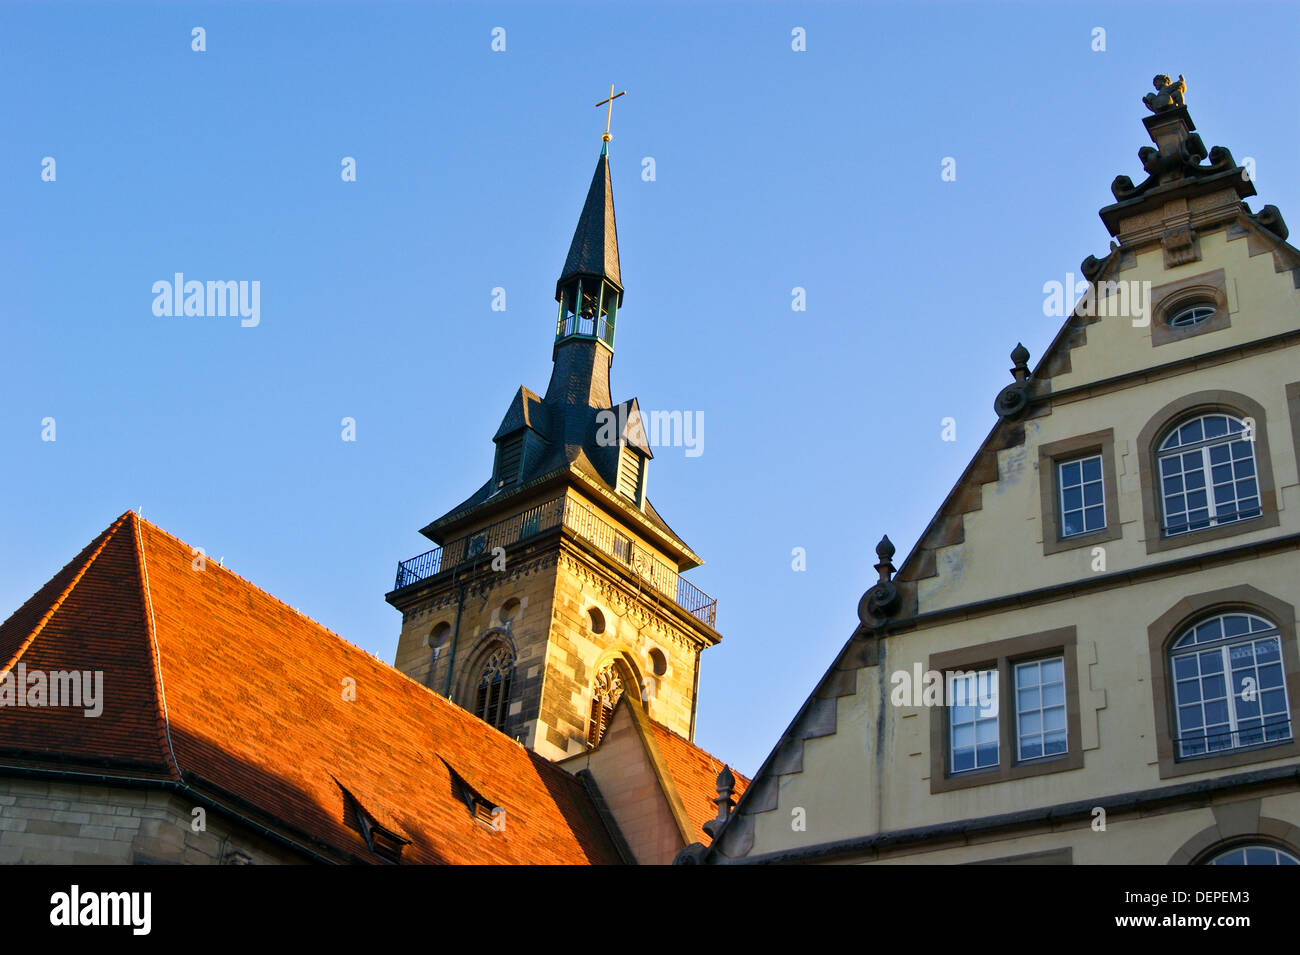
[
  {"x": 210, "y": 681},
  {"x": 695, "y": 774}
]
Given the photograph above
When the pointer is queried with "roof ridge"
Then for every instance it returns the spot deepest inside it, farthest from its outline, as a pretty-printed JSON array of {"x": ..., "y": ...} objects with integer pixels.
[
  {"x": 107, "y": 534},
  {"x": 151, "y": 626},
  {"x": 375, "y": 660},
  {"x": 245, "y": 580},
  {"x": 696, "y": 746}
]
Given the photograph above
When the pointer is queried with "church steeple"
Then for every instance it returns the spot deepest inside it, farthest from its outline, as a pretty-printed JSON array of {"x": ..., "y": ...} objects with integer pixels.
[
  {"x": 590, "y": 289},
  {"x": 594, "y": 596}
]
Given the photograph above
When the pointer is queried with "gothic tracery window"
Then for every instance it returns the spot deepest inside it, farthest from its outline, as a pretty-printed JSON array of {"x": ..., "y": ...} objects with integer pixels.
[
  {"x": 605, "y": 695},
  {"x": 493, "y": 695}
]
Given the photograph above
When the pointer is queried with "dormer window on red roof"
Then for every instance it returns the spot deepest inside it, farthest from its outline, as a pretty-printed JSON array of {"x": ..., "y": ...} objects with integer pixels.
[{"x": 380, "y": 840}]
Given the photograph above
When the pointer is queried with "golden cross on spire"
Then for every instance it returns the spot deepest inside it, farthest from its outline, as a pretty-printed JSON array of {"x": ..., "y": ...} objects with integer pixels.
[{"x": 609, "y": 112}]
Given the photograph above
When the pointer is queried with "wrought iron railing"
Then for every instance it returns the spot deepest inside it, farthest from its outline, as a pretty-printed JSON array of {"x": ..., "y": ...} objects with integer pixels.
[
  {"x": 582, "y": 521},
  {"x": 1275, "y": 730}
]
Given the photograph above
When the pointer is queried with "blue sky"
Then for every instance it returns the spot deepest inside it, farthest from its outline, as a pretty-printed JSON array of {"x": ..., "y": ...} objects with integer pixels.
[{"x": 774, "y": 169}]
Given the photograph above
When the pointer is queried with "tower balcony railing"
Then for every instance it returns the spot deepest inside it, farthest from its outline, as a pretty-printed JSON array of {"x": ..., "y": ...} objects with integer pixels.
[
  {"x": 586, "y": 326},
  {"x": 583, "y": 522}
]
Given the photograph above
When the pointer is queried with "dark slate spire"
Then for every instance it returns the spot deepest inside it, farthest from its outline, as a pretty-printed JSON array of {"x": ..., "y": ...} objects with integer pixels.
[
  {"x": 594, "y": 249},
  {"x": 589, "y": 295}
]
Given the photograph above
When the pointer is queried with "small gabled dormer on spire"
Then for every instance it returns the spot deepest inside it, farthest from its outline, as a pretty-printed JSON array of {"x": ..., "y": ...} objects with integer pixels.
[{"x": 590, "y": 288}]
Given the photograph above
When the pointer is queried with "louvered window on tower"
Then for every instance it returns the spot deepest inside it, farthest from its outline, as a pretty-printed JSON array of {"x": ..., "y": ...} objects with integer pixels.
[
  {"x": 510, "y": 454},
  {"x": 630, "y": 465}
]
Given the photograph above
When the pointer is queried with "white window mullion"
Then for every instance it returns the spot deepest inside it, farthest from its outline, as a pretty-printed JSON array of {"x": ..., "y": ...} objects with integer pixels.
[
  {"x": 1231, "y": 689},
  {"x": 1208, "y": 471}
]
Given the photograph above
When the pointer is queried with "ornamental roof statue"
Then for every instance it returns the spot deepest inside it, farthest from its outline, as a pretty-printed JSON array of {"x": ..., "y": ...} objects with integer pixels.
[{"x": 1168, "y": 94}]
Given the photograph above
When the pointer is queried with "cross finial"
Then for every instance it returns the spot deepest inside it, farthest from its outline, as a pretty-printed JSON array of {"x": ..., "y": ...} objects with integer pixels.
[{"x": 609, "y": 113}]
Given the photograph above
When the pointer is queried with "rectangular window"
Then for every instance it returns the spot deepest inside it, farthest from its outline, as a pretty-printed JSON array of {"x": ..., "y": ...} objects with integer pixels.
[
  {"x": 973, "y": 743},
  {"x": 973, "y": 715},
  {"x": 1083, "y": 496},
  {"x": 1078, "y": 492},
  {"x": 1040, "y": 709}
]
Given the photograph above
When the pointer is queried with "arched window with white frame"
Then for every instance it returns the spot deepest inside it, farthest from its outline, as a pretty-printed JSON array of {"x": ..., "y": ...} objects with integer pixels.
[
  {"x": 1229, "y": 685},
  {"x": 1253, "y": 854},
  {"x": 1208, "y": 473}
]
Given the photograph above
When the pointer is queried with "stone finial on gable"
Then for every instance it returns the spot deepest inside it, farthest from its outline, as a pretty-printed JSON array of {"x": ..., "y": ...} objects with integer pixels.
[
  {"x": 885, "y": 552},
  {"x": 1014, "y": 398},
  {"x": 881, "y": 601},
  {"x": 724, "y": 802}
]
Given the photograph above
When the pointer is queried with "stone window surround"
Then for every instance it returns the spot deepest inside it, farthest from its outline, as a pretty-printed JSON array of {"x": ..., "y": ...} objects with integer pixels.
[
  {"x": 1167, "y": 299},
  {"x": 1293, "y": 407},
  {"x": 1236, "y": 823},
  {"x": 1057, "y": 452},
  {"x": 1171, "y": 625},
  {"x": 1159, "y": 425},
  {"x": 471, "y": 672},
  {"x": 1004, "y": 654}
]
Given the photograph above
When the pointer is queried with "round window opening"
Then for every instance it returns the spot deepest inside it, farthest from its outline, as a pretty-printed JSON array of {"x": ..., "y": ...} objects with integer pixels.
[
  {"x": 1190, "y": 315},
  {"x": 509, "y": 610},
  {"x": 438, "y": 636},
  {"x": 597, "y": 620},
  {"x": 658, "y": 662}
]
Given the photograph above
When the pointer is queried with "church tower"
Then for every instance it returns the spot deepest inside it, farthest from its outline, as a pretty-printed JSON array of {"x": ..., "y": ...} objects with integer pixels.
[{"x": 556, "y": 587}]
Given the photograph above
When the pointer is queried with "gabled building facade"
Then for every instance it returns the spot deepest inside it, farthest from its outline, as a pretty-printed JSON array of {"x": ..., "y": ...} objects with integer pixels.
[{"x": 1090, "y": 655}]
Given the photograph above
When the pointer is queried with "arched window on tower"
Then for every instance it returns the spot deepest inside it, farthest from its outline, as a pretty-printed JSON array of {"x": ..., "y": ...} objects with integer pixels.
[
  {"x": 492, "y": 698},
  {"x": 605, "y": 695}
]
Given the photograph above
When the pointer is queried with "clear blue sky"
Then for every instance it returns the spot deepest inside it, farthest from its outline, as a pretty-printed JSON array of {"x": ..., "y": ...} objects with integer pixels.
[{"x": 775, "y": 169}]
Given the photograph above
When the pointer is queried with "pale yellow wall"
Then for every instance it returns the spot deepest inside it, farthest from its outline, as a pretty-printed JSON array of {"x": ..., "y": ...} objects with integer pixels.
[
  {"x": 1009, "y": 524},
  {"x": 1261, "y": 302},
  {"x": 1126, "y": 840},
  {"x": 850, "y": 786}
]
